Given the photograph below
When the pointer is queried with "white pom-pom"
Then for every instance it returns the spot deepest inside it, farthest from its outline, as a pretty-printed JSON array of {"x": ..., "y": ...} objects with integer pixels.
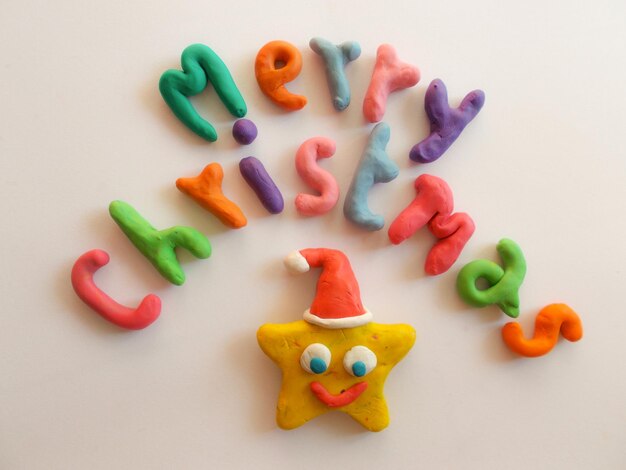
[{"x": 296, "y": 263}]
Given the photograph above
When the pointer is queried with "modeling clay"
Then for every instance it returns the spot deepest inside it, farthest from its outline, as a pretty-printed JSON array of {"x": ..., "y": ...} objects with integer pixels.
[
  {"x": 335, "y": 59},
  {"x": 200, "y": 64},
  {"x": 389, "y": 75},
  {"x": 433, "y": 205},
  {"x": 334, "y": 359},
  {"x": 244, "y": 131},
  {"x": 375, "y": 166},
  {"x": 256, "y": 176},
  {"x": 504, "y": 283},
  {"x": 446, "y": 123},
  {"x": 550, "y": 321},
  {"x": 277, "y": 63},
  {"x": 129, "y": 318},
  {"x": 206, "y": 190},
  {"x": 159, "y": 245},
  {"x": 317, "y": 178}
]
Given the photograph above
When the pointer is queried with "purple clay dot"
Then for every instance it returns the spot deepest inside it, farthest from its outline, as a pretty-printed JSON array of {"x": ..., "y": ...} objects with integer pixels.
[{"x": 244, "y": 131}]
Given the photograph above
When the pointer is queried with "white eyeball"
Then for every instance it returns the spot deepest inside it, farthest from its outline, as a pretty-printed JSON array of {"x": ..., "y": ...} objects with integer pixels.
[
  {"x": 359, "y": 361},
  {"x": 315, "y": 358}
]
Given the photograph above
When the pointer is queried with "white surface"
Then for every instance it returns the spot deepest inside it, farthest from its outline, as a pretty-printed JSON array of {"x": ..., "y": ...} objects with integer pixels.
[{"x": 82, "y": 123}]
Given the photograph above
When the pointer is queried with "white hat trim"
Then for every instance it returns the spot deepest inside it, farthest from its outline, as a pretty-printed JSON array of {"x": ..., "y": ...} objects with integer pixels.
[{"x": 336, "y": 323}]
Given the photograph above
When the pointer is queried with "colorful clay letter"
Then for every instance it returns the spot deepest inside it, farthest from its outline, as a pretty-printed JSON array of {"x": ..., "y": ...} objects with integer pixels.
[
  {"x": 433, "y": 205},
  {"x": 389, "y": 75},
  {"x": 335, "y": 59},
  {"x": 124, "y": 317},
  {"x": 550, "y": 321},
  {"x": 277, "y": 63},
  {"x": 200, "y": 64},
  {"x": 244, "y": 131},
  {"x": 262, "y": 184},
  {"x": 504, "y": 283},
  {"x": 374, "y": 167},
  {"x": 336, "y": 358},
  {"x": 206, "y": 190},
  {"x": 159, "y": 245},
  {"x": 446, "y": 123},
  {"x": 317, "y": 178}
]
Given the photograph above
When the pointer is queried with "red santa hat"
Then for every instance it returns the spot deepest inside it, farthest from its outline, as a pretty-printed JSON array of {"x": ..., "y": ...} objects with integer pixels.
[{"x": 337, "y": 302}]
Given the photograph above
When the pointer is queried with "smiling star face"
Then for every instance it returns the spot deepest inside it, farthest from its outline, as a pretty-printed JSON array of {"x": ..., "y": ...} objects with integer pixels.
[{"x": 325, "y": 369}]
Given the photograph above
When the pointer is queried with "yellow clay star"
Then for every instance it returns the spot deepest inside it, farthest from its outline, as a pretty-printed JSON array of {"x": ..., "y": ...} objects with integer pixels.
[{"x": 305, "y": 395}]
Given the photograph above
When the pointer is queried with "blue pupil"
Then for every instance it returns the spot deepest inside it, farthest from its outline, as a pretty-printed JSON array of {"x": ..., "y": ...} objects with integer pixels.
[
  {"x": 358, "y": 369},
  {"x": 318, "y": 365}
]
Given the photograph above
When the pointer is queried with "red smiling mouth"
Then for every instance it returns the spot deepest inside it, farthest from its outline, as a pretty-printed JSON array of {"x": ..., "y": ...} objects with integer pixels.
[{"x": 344, "y": 398}]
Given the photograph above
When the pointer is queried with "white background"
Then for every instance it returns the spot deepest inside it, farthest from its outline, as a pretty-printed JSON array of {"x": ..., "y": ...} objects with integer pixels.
[{"x": 82, "y": 123}]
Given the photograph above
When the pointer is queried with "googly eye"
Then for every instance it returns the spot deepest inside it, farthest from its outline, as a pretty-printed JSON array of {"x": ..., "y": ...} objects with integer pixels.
[
  {"x": 359, "y": 361},
  {"x": 315, "y": 358}
]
